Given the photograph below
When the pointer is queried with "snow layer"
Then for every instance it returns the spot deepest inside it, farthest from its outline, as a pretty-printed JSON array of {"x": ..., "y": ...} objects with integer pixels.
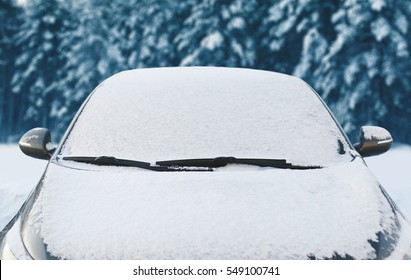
[
  {"x": 233, "y": 213},
  {"x": 376, "y": 133},
  {"x": 196, "y": 112}
]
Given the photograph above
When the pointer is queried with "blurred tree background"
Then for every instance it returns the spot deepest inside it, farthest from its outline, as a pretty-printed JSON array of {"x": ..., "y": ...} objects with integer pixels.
[{"x": 355, "y": 53}]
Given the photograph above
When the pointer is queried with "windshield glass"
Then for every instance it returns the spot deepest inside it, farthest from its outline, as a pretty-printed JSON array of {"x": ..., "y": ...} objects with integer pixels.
[{"x": 205, "y": 112}]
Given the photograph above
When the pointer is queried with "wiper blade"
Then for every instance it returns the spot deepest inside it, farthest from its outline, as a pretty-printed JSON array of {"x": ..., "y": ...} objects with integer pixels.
[
  {"x": 199, "y": 164},
  {"x": 113, "y": 161},
  {"x": 223, "y": 161}
]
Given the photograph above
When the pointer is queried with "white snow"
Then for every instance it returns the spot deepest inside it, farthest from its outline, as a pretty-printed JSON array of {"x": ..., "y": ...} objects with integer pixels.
[
  {"x": 258, "y": 213},
  {"x": 377, "y": 5},
  {"x": 21, "y": 2},
  {"x": 380, "y": 28},
  {"x": 401, "y": 22},
  {"x": 203, "y": 112},
  {"x": 314, "y": 48},
  {"x": 19, "y": 175},
  {"x": 351, "y": 71},
  {"x": 212, "y": 41},
  {"x": 236, "y": 23},
  {"x": 392, "y": 170},
  {"x": 376, "y": 133},
  {"x": 355, "y": 14}
]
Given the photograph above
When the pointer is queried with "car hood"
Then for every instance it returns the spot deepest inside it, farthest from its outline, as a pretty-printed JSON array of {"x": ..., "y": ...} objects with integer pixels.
[{"x": 236, "y": 212}]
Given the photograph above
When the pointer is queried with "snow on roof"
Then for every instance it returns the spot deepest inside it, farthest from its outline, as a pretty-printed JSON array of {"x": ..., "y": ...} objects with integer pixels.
[{"x": 196, "y": 112}]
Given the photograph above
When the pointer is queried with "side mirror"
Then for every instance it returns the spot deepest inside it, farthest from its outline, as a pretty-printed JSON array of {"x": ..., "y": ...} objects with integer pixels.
[
  {"x": 37, "y": 143},
  {"x": 374, "y": 140}
]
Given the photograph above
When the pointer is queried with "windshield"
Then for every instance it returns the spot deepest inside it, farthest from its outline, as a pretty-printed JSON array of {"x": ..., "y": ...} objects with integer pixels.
[{"x": 203, "y": 112}]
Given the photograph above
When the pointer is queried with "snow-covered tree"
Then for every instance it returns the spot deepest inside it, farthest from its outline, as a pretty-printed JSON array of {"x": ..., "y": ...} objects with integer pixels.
[
  {"x": 365, "y": 74},
  {"x": 9, "y": 24},
  {"x": 89, "y": 55},
  {"x": 295, "y": 34},
  {"x": 355, "y": 53},
  {"x": 144, "y": 31},
  {"x": 36, "y": 66},
  {"x": 219, "y": 33}
]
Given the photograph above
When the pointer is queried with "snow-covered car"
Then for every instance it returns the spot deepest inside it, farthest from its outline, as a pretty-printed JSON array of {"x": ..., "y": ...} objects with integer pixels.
[{"x": 206, "y": 163}]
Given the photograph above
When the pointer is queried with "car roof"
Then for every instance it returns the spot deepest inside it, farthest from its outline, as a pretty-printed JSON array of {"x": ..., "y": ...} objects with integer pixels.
[{"x": 197, "y": 77}]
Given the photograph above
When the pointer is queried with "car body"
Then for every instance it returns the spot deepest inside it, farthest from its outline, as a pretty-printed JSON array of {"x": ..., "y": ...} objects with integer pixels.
[{"x": 206, "y": 163}]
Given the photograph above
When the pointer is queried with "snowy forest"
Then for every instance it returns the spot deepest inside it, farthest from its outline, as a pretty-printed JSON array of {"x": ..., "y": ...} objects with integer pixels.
[{"x": 354, "y": 53}]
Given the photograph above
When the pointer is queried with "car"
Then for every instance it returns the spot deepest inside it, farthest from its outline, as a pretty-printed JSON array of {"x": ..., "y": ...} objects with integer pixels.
[{"x": 206, "y": 163}]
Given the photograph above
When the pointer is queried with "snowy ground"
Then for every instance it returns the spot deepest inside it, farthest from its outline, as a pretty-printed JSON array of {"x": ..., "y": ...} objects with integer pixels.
[
  {"x": 394, "y": 173},
  {"x": 19, "y": 174}
]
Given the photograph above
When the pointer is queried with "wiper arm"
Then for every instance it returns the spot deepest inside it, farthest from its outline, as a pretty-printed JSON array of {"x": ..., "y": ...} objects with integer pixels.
[
  {"x": 112, "y": 161},
  {"x": 223, "y": 161}
]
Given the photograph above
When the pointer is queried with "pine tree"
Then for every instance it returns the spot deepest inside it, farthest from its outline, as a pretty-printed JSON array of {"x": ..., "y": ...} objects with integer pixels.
[
  {"x": 144, "y": 30},
  {"x": 10, "y": 15},
  {"x": 90, "y": 56},
  {"x": 295, "y": 34},
  {"x": 162, "y": 22},
  {"x": 126, "y": 24},
  {"x": 365, "y": 74},
  {"x": 219, "y": 33},
  {"x": 38, "y": 62}
]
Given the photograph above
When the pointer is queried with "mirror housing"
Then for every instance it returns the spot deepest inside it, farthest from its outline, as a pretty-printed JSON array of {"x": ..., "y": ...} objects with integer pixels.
[
  {"x": 374, "y": 140},
  {"x": 37, "y": 143}
]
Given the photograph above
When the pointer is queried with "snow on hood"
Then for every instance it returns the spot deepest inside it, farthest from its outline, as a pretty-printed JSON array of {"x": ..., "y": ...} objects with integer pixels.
[
  {"x": 197, "y": 112},
  {"x": 239, "y": 212}
]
